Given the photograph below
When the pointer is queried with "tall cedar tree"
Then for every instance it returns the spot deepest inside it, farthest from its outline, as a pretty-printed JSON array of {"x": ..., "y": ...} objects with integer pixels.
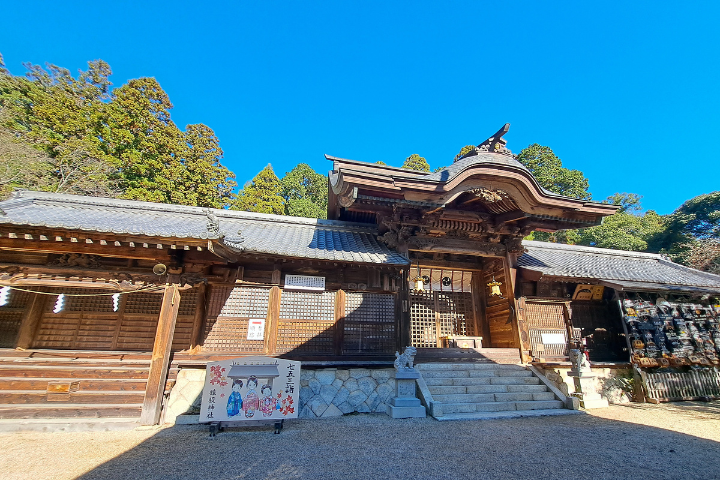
[
  {"x": 119, "y": 143},
  {"x": 262, "y": 195},
  {"x": 416, "y": 162},
  {"x": 547, "y": 168},
  {"x": 305, "y": 192}
]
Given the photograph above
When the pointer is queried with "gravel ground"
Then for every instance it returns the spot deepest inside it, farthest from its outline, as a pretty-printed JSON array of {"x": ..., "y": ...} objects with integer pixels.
[{"x": 670, "y": 441}]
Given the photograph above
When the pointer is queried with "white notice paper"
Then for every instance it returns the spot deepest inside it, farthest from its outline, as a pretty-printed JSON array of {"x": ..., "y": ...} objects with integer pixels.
[
  {"x": 553, "y": 338},
  {"x": 256, "y": 329}
]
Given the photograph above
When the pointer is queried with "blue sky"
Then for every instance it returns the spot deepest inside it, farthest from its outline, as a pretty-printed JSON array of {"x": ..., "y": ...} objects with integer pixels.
[{"x": 627, "y": 92}]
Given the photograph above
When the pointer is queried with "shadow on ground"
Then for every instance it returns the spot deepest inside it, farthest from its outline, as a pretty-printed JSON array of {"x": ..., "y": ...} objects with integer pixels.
[{"x": 376, "y": 447}]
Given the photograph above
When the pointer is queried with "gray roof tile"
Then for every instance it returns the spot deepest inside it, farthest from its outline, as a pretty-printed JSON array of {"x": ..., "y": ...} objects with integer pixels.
[
  {"x": 630, "y": 270},
  {"x": 242, "y": 231}
]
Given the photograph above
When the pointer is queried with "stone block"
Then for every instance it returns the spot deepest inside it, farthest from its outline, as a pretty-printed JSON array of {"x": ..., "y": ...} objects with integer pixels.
[
  {"x": 314, "y": 385},
  {"x": 337, "y": 383},
  {"x": 405, "y": 388},
  {"x": 367, "y": 384},
  {"x": 346, "y": 407},
  {"x": 381, "y": 407},
  {"x": 381, "y": 376},
  {"x": 306, "y": 412},
  {"x": 363, "y": 408},
  {"x": 332, "y": 411},
  {"x": 356, "y": 398},
  {"x": 406, "y": 412},
  {"x": 325, "y": 377},
  {"x": 351, "y": 384},
  {"x": 317, "y": 405},
  {"x": 404, "y": 402},
  {"x": 328, "y": 392},
  {"x": 384, "y": 391},
  {"x": 304, "y": 383},
  {"x": 359, "y": 372},
  {"x": 305, "y": 394},
  {"x": 372, "y": 401},
  {"x": 342, "y": 374},
  {"x": 307, "y": 374},
  {"x": 341, "y": 396}
]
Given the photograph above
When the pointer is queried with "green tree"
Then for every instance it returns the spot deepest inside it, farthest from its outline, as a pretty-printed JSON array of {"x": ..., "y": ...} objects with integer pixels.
[
  {"x": 263, "y": 194},
  {"x": 547, "y": 168},
  {"x": 305, "y": 192},
  {"x": 629, "y": 202},
  {"x": 623, "y": 231},
  {"x": 416, "y": 162},
  {"x": 695, "y": 224},
  {"x": 463, "y": 151}
]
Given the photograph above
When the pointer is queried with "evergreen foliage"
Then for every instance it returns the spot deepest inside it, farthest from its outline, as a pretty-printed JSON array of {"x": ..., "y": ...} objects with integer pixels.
[
  {"x": 262, "y": 195},
  {"x": 416, "y": 162}
]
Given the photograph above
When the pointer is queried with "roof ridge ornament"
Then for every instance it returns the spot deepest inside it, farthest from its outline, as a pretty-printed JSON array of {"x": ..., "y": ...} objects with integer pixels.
[
  {"x": 213, "y": 224},
  {"x": 494, "y": 144}
]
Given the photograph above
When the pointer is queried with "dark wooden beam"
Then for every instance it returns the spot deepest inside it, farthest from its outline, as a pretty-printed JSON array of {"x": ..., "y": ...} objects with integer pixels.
[
  {"x": 199, "y": 320},
  {"x": 155, "y": 389},
  {"x": 31, "y": 320}
]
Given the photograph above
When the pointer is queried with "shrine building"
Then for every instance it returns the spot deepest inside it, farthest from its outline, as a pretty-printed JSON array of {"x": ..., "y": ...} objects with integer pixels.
[{"x": 113, "y": 307}]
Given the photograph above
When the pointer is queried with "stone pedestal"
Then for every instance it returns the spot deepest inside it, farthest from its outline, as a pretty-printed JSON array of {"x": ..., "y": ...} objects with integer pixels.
[
  {"x": 405, "y": 404},
  {"x": 585, "y": 390}
]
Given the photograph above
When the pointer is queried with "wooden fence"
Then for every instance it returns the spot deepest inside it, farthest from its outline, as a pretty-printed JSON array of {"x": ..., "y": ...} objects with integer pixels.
[{"x": 692, "y": 385}]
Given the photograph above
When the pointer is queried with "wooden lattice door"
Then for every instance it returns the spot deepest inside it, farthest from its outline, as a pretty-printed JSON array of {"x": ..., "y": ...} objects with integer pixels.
[
  {"x": 547, "y": 328},
  {"x": 434, "y": 315}
]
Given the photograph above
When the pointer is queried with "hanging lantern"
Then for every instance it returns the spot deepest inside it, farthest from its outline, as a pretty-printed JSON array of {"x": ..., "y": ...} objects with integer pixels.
[
  {"x": 495, "y": 288},
  {"x": 419, "y": 280}
]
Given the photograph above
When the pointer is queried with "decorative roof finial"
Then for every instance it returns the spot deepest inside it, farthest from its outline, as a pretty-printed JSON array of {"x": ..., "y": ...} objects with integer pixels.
[
  {"x": 494, "y": 144},
  {"x": 213, "y": 224}
]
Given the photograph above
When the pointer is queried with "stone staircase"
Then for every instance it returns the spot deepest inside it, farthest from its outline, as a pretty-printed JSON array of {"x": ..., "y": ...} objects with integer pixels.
[{"x": 466, "y": 391}]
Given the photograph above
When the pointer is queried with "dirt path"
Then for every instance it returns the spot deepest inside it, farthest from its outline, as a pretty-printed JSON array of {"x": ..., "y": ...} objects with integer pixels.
[{"x": 670, "y": 441}]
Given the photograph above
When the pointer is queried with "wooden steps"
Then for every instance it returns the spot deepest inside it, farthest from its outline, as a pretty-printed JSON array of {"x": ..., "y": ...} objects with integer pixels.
[{"x": 58, "y": 384}]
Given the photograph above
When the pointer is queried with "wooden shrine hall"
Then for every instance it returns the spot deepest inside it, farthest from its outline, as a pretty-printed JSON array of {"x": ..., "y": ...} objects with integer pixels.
[{"x": 108, "y": 298}]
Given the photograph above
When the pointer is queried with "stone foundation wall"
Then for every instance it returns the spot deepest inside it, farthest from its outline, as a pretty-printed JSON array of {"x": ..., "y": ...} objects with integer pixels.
[
  {"x": 614, "y": 384},
  {"x": 325, "y": 392},
  {"x": 331, "y": 392}
]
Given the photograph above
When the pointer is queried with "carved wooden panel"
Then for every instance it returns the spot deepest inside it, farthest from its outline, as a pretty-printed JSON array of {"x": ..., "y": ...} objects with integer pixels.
[{"x": 369, "y": 325}]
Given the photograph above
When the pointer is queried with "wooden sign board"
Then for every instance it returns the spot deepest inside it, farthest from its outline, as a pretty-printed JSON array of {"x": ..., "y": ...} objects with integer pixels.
[
  {"x": 304, "y": 282},
  {"x": 588, "y": 292},
  {"x": 250, "y": 389}
]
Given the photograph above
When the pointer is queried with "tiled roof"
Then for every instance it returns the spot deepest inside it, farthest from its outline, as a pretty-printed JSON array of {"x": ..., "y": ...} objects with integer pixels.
[
  {"x": 241, "y": 231},
  {"x": 448, "y": 173},
  {"x": 626, "y": 270}
]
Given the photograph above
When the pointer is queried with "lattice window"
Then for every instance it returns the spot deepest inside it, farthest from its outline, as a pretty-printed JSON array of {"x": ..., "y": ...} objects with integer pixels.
[
  {"x": 547, "y": 319},
  {"x": 455, "y": 313},
  {"x": 11, "y": 317},
  {"x": 145, "y": 303},
  {"x": 369, "y": 323},
  {"x": 92, "y": 303},
  {"x": 305, "y": 337},
  {"x": 308, "y": 306},
  {"x": 228, "y": 332},
  {"x": 423, "y": 324},
  {"x": 248, "y": 302},
  {"x": 188, "y": 300}
]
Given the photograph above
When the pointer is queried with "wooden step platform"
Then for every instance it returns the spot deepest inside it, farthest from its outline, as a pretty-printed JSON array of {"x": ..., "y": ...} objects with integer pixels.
[{"x": 65, "y": 384}]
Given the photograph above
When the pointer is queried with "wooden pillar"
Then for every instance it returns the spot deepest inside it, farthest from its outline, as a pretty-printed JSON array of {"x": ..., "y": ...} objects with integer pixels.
[
  {"x": 339, "y": 337},
  {"x": 31, "y": 321},
  {"x": 480, "y": 307},
  {"x": 199, "y": 320},
  {"x": 510, "y": 267},
  {"x": 272, "y": 320},
  {"x": 403, "y": 324},
  {"x": 160, "y": 356}
]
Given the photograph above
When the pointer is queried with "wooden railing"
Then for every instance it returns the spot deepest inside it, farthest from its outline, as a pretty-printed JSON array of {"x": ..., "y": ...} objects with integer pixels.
[{"x": 674, "y": 386}]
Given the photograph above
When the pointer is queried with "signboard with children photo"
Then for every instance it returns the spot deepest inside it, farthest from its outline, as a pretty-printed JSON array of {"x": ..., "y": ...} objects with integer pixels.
[{"x": 250, "y": 388}]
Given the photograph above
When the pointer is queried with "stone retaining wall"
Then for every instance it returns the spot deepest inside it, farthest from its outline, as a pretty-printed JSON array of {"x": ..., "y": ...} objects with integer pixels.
[
  {"x": 614, "y": 384},
  {"x": 325, "y": 392}
]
